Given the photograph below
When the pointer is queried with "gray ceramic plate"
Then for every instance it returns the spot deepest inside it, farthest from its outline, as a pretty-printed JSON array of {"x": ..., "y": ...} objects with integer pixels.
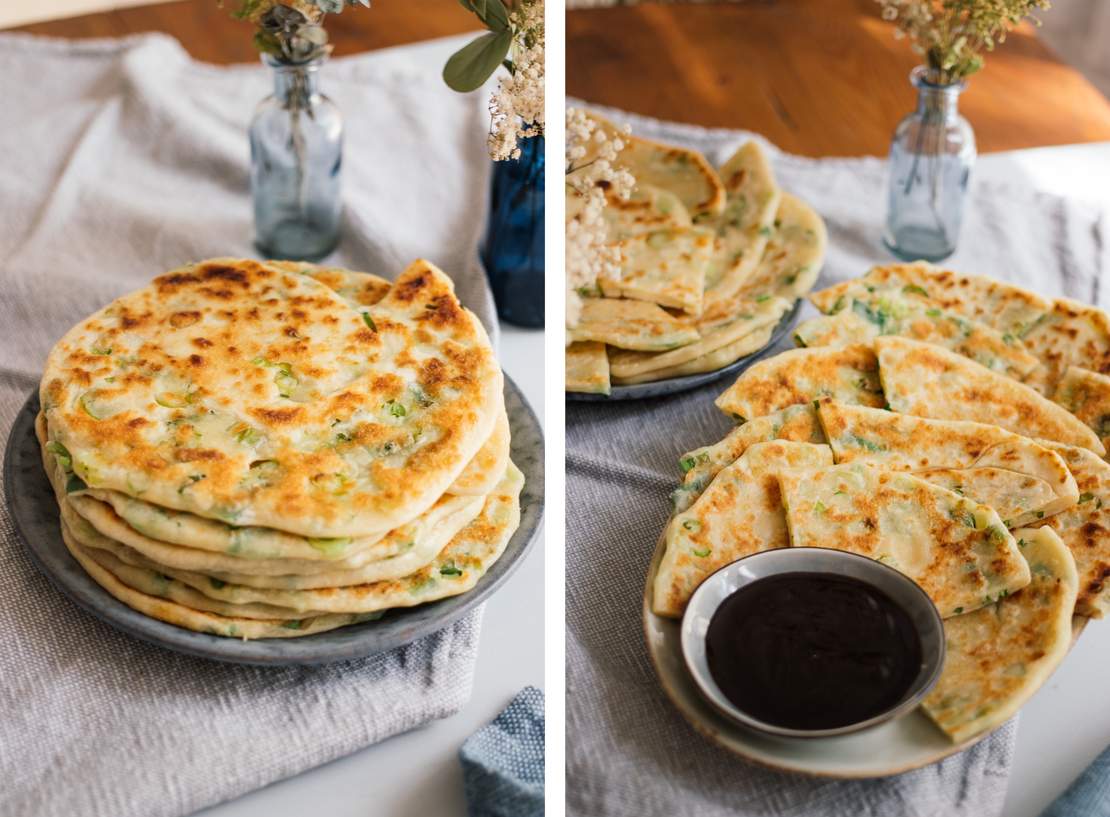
[
  {"x": 896, "y": 746},
  {"x": 35, "y": 512},
  {"x": 674, "y": 385}
]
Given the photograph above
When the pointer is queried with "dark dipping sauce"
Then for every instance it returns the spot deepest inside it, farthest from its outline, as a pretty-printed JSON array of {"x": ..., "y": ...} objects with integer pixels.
[{"x": 812, "y": 650}]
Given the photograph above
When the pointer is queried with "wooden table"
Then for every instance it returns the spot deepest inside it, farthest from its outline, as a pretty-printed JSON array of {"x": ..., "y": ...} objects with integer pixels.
[
  {"x": 816, "y": 77},
  {"x": 208, "y": 32}
]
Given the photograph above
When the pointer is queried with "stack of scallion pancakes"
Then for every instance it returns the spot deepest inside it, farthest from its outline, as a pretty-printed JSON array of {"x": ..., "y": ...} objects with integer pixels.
[
  {"x": 951, "y": 426},
  {"x": 710, "y": 261},
  {"x": 268, "y": 449}
]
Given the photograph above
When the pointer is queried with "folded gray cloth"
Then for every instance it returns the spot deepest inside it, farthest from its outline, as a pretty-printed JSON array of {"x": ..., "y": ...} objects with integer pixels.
[
  {"x": 629, "y": 752},
  {"x": 1088, "y": 795},
  {"x": 503, "y": 761},
  {"x": 122, "y": 159}
]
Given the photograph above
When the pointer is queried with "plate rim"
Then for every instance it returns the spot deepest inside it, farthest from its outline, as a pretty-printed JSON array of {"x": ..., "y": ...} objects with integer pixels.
[
  {"x": 677, "y": 385},
  {"x": 304, "y": 651},
  {"x": 712, "y": 731}
]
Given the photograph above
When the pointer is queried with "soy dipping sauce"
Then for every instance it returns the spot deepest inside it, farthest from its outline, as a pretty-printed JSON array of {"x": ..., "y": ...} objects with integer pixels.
[{"x": 811, "y": 650}]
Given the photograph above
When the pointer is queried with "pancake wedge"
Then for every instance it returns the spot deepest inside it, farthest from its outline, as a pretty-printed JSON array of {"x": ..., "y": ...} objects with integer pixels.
[
  {"x": 739, "y": 514},
  {"x": 849, "y": 374},
  {"x": 1017, "y": 498},
  {"x": 1086, "y": 394},
  {"x": 865, "y": 320},
  {"x": 794, "y": 423},
  {"x": 628, "y": 324},
  {"x": 794, "y": 255},
  {"x": 1070, "y": 334},
  {"x": 752, "y": 198},
  {"x": 1008, "y": 308},
  {"x": 956, "y": 549},
  {"x": 685, "y": 173},
  {"x": 648, "y": 209},
  {"x": 1085, "y": 529},
  {"x": 756, "y": 316},
  {"x": 710, "y": 361},
  {"x": 665, "y": 267},
  {"x": 928, "y": 381},
  {"x": 904, "y": 442},
  {"x": 998, "y": 656},
  {"x": 162, "y": 395},
  {"x": 587, "y": 368}
]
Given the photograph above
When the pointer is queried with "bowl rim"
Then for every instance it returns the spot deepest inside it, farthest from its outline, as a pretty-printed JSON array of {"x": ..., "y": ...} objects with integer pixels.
[{"x": 693, "y": 645}]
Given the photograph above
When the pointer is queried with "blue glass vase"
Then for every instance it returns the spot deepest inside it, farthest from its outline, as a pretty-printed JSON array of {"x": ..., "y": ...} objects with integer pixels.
[
  {"x": 931, "y": 157},
  {"x": 296, "y": 140},
  {"x": 513, "y": 248}
]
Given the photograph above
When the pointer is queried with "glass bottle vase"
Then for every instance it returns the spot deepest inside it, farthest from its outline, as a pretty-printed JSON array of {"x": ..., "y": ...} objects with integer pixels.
[
  {"x": 513, "y": 248},
  {"x": 296, "y": 140},
  {"x": 931, "y": 156}
]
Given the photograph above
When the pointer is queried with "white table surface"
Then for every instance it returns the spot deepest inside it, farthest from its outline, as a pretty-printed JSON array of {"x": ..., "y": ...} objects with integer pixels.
[{"x": 417, "y": 774}]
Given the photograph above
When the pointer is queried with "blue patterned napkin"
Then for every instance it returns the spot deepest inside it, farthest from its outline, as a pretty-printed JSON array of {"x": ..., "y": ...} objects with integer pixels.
[
  {"x": 1088, "y": 795},
  {"x": 503, "y": 762}
]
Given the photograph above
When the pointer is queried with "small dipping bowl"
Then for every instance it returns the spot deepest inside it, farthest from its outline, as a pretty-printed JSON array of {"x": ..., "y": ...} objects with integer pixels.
[{"x": 900, "y": 589}]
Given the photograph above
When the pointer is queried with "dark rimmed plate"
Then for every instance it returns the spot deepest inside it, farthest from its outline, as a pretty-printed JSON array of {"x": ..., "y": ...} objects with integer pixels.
[
  {"x": 674, "y": 385},
  {"x": 34, "y": 510}
]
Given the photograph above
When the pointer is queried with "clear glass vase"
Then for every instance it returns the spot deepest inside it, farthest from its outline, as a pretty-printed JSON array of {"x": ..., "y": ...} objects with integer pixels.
[
  {"x": 931, "y": 157},
  {"x": 513, "y": 249},
  {"x": 296, "y": 140}
]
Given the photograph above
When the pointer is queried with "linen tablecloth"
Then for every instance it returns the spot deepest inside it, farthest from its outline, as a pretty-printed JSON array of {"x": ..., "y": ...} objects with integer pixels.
[
  {"x": 119, "y": 160},
  {"x": 629, "y": 752}
]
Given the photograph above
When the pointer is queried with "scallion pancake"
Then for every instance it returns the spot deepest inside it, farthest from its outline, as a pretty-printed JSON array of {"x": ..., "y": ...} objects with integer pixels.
[
  {"x": 1070, "y": 334},
  {"x": 726, "y": 355},
  {"x": 359, "y": 289},
  {"x": 865, "y": 320},
  {"x": 199, "y": 620},
  {"x": 483, "y": 472},
  {"x": 1085, "y": 529},
  {"x": 903, "y": 442},
  {"x": 402, "y": 551},
  {"x": 648, "y": 209},
  {"x": 1086, "y": 394},
  {"x": 739, "y": 514},
  {"x": 624, "y": 365},
  {"x": 998, "y": 656},
  {"x": 794, "y": 423},
  {"x": 455, "y": 569},
  {"x": 665, "y": 267},
  {"x": 957, "y": 550},
  {"x": 683, "y": 172},
  {"x": 629, "y": 324},
  {"x": 928, "y": 381},
  {"x": 587, "y": 368},
  {"x": 163, "y": 395},
  {"x": 849, "y": 374},
  {"x": 751, "y": 200},
  {"x": 1008, "y": 308}
]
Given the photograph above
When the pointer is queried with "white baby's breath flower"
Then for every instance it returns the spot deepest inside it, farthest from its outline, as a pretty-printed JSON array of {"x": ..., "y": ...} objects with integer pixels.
[
  {"x": 592, "y": 173},
  {"x": 516, "y": 107}
]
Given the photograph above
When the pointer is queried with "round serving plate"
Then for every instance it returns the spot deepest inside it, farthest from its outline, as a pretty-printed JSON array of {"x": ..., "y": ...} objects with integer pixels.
[
  {"x": 894, "y": 747},
  {"x": 34, "y": 510},
  {"x": 674, "y": 385}
]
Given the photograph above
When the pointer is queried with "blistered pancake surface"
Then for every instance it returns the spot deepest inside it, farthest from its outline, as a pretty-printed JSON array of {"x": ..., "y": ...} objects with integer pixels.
[{"x": 243, "y": 392}]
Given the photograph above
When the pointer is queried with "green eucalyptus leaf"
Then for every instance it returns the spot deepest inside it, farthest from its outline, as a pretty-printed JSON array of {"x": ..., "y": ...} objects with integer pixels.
[
  {"x": 492, "y": 13},
  {"x": 470, "y": 66}
]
